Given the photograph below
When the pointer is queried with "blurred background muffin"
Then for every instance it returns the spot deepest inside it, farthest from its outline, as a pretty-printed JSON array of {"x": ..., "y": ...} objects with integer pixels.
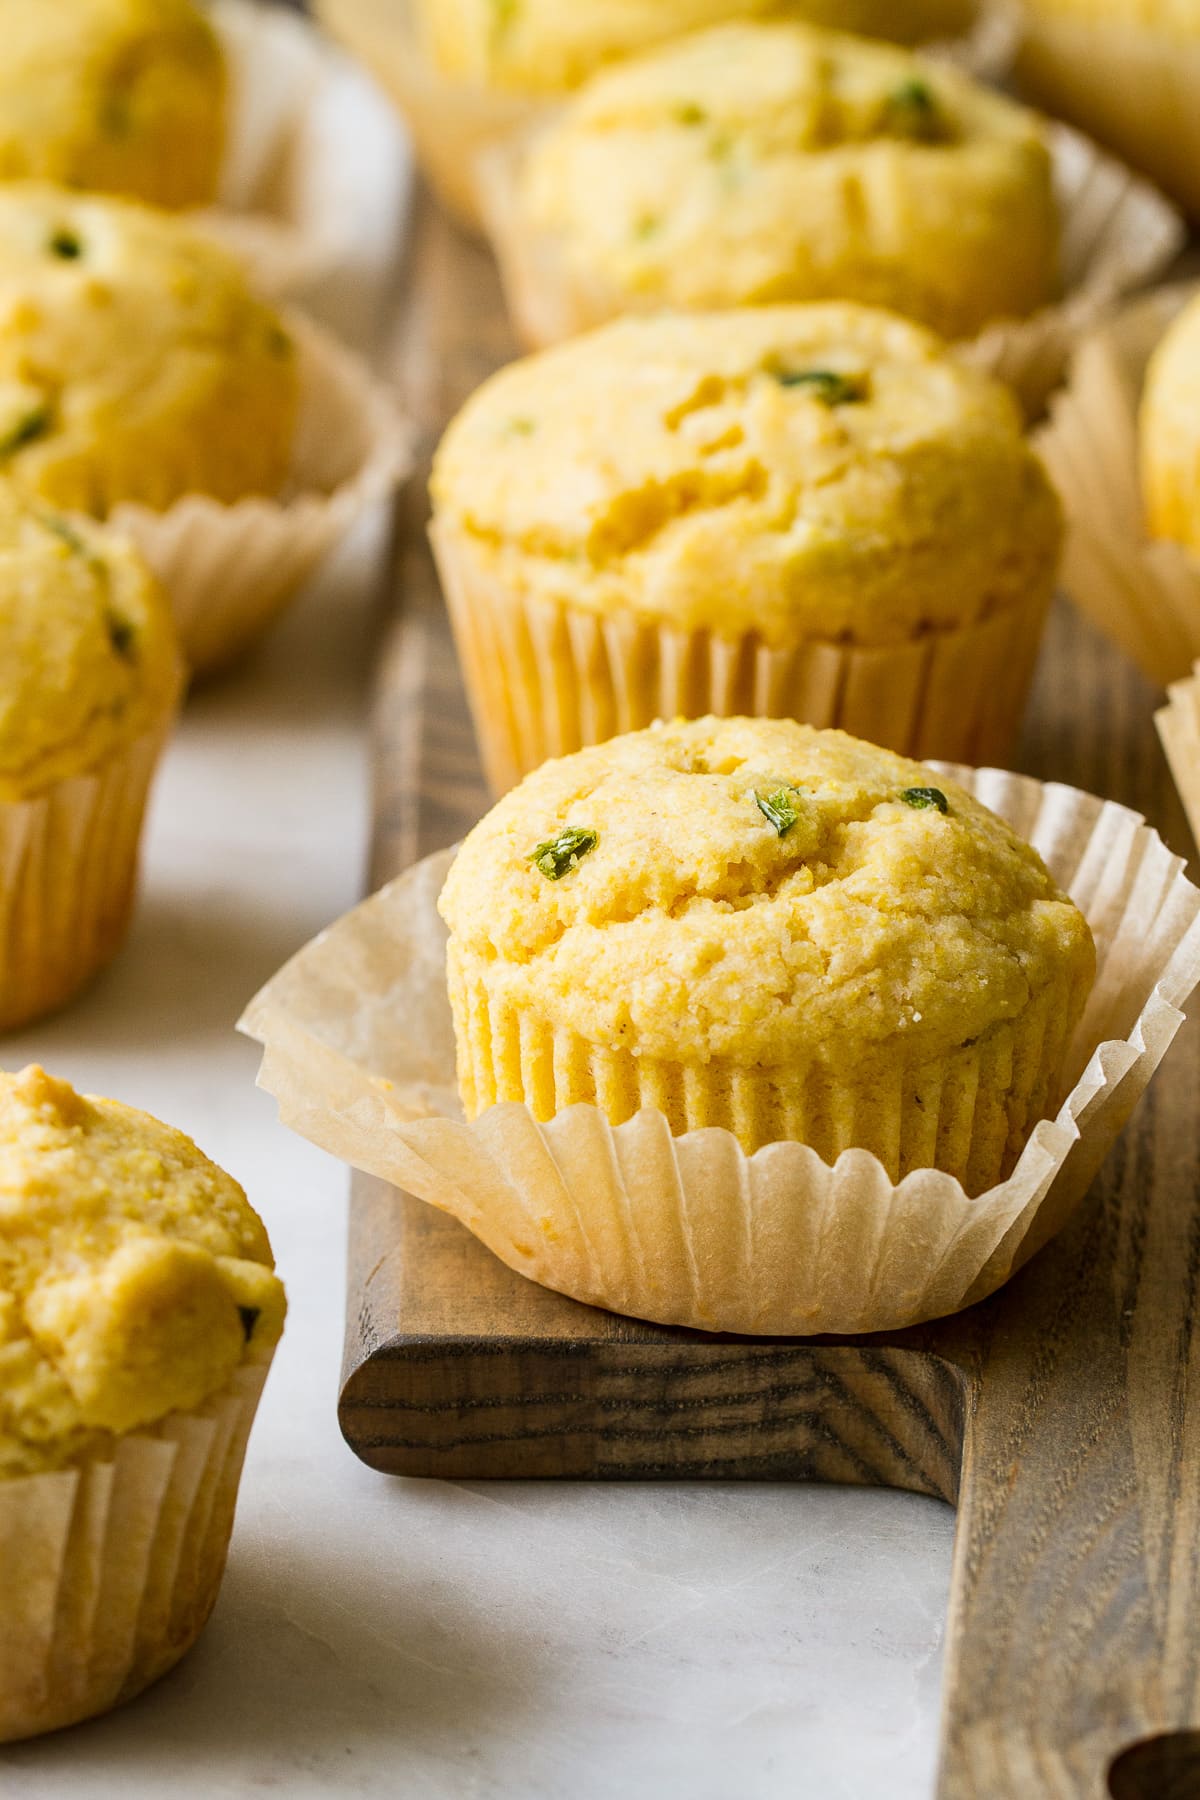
[
  {"x": 767, "y": 162},
  {"x": 123, "y": 96},
  {"x": 806, "y": 511},
  {"x": 138, "y": 1315}
]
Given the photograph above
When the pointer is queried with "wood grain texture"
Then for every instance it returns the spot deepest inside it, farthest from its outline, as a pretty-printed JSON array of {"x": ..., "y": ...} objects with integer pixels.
[{"x": 1063, "y": 1415}]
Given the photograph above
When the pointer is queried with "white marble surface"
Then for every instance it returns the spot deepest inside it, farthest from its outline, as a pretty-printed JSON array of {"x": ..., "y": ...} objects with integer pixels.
[{"x": 445, "y": 1641}]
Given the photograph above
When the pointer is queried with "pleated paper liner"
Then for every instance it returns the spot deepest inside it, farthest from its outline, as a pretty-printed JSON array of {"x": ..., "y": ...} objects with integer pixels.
[
  {"x": 454, "y": 121},
  {"x": 1130, "y": 85},
  {"x": 110, "y": 1570},
  {"x": 230, "y": 570},
  {"x": 1143, "y": 592},
  {"x": 68, "y": 877},
  {"x": 545, "y": 678},
  {"x": 359, "y": 1052},
  {"x": 1118, "y": 234},
  {"x": 1178, "y": 725}
]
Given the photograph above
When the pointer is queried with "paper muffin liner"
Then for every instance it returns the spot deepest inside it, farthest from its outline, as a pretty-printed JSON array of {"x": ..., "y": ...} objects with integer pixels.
[
  {"x": 454, "y": 121},
  {"x": 545, "y": 678},
  {"x": 689, "y": 1230},
  {"x": 110, "y": 1570},
  {"x": 1118, "y": 233},
  {"x": 230, "y": 570},
  {"x": 1129, "y": 85},
  {"x": 1178, "y": 725},
  {"x": 68, "y": 879}
]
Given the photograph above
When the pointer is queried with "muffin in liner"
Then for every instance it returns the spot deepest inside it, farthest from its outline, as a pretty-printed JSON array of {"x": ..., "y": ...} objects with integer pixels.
[
  {"x": 544, "y": 679},
  {"x": 1118, "y": 233},
  {"x": 454, "y": 121},
  {"x": 1142, "y": 591},
  {"x": 689, "y": 1230},
  {"x": 231, "y": 570},
  {"x": 1178, "y": 725},
  {"x": 111, "y": 1568}
]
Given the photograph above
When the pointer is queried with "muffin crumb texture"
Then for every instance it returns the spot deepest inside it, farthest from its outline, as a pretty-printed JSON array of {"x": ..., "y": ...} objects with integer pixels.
[{"x": 1169, "y": 432}]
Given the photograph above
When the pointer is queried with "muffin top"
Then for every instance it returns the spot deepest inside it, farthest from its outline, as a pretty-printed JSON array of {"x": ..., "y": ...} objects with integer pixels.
[
  {"x": 757, "y": 890},
  {"x": 126, "y": 96},
  {"x": 87, "y": 646},
  {"x": 135, "y": 1278},
  {"x": 1179, "y": 18},
  {"x": 766, "y": 162},
  {"x": 549, "y": 46},
  {"x": 135, "y": 364},
  {"x": 821, "y": 470},
  {"x": 1169, "y": 430}
]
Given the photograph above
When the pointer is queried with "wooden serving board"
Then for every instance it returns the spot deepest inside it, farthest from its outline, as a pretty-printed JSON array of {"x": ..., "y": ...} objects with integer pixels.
[{"x": 1062, "y": 1416}]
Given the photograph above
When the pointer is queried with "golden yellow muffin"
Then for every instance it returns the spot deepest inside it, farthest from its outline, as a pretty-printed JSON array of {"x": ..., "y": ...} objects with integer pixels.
[
  {"x": 138, "y": 1313},
  {"x": 135, "y": 364},
  {"x": 812, "y": 510},
  {"x": 1169, "y": 432},
  {"x": 768, "y": 162},
  {"x": 89, "y": 679},
  {"x": 784, "y": 932},
  {"x": 124, "y": 96}
]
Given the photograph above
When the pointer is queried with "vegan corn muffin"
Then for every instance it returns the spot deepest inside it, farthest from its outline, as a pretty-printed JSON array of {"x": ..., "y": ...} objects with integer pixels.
[
  {"x": 123, "y": 96},
  {"x": 812, "y": 511},
  {"x": 784, "y": 932},
  {"x": 770, "y": 162},
  {"x": 138, "y": 1314},
  {"x": 1169, "y": 432},
  {"x": 89, "y": 678},
  {"x": 135, "y": 363}
]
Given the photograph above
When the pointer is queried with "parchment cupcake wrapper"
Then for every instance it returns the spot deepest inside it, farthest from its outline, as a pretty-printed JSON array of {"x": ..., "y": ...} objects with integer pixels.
[
  {"x": 1118, "y": 234},
  {"x": 110, "y": 1570},
  {"x": 545, "y": 678},
  {"x": 1131, "y": 86},
  {"x": 359, "y": 1052},
  {"x": 1178, "y": 725},
  {"x": 231, "y": 570},
  {"x": 453, "y": 121},
  {"x": 68, "y": 877},
  {"x": 1142, "y": 592}
]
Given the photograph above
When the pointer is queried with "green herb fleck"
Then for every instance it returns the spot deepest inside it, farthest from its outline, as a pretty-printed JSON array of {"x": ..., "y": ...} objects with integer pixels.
[
  {"x": 504, "y": 15},
  {"x": 278, "y": 341},
  {"x": 69, "y": 536},
  {"x": 779, "y": 808},
  {"x": 645, "y": 226},
  {"x": 559, "y": 855},
  {"x": 520, "y": 427},
  {"x": 922, "y": 798},
  {"x": 249, "y": 1315},
  {"x": 827, "y": 385},
  {"x": 690, "y": 114},
  {"x": 30, "y": 426},
  {"x": 66, "y": 245},
  {"x": 120, "y": 635},
  {"x": 912, "y": 111}
]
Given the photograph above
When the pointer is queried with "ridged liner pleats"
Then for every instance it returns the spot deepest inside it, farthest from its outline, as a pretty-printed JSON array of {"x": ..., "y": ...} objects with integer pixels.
[
  {"x": 544, "y": 678},
  {"x": 689, "y": 1230},
  {"x": 110, "y": 1570}
]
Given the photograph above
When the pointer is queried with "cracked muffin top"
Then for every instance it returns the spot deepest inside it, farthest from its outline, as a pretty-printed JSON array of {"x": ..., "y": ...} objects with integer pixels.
[
  {"x": 769, "y": 162},
  {"x": 87, "y": 645},
  {"x": 135, "y": 1278},
  {"x": 759, "y": 890},
  {"x": 825, "y": 470},
  {"x": 123, "y": 96},
  {"x": 135, "y": 363},
  {"x": 549, "y": 46}
]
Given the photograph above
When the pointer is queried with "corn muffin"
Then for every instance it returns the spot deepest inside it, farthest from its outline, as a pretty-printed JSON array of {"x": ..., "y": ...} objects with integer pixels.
[
  {"x": 1169, "y": 432},
  {"x": 123, "y": 96},
  {"x": 91, "y": 676},
  {"x": 770, "y": 162},
  {"x": 138, "y": 1314},
  {"x": 784, "y": 932},
  {"x": 135, "y": 364},
  {"x": 805, "y": 510}
]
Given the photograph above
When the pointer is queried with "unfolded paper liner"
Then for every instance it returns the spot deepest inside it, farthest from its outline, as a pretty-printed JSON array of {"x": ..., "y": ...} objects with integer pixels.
[
  {"x": 1130, "y": 85},
  {"x": 545, "y": 678},
  {"x": 68, "y": 878},
  {"x": 359, "y": 1052},
  {"x": 231, "y": 569},
  {"x": 454, "y": 121},
  {"x": 110, "y": 1570},
  {"x": 1143, "y": 592},
  {"x": 1118, "y": 234},
  {"x": 1178, "y": 725}
]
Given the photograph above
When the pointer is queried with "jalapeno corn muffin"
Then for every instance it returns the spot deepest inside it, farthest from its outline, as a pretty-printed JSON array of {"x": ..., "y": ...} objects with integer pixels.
[
  {"x": 138, "y": 1314},
  {"x": 1169, "y": 432},
  {"x": 89, "y": 678},
  {"x": 784, "y": 932},
  {"x": 767, "y": 162},
  {"x": 812, "y": 511},
  {"x": 135, "y": 363},
  {"x": 124, "y": 96}
]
